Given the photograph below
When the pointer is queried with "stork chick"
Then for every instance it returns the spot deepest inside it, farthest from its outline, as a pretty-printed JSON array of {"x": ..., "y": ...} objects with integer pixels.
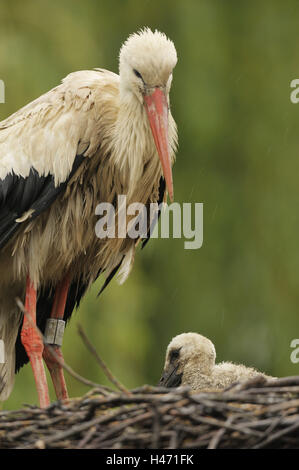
[{"x": 190, "y": 360}]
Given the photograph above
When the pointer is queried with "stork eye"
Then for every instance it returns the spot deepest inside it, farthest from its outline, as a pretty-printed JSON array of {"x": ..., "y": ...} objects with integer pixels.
[{"x": 137, "y": 74}]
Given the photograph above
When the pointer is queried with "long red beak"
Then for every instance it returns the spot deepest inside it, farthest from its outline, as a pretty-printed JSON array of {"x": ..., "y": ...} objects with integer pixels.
[{"x": 157, "y": 111}]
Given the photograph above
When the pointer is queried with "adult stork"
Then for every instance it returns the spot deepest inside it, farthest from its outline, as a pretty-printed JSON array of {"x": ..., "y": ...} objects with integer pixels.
[{"x": 95, "y": 136}]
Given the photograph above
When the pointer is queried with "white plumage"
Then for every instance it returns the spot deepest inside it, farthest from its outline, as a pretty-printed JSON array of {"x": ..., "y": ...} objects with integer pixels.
[{"x": 190, "y": 360}]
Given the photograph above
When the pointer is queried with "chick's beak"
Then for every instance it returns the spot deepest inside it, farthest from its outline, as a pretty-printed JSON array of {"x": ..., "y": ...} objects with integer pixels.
[{"x": 170, "y": 378}]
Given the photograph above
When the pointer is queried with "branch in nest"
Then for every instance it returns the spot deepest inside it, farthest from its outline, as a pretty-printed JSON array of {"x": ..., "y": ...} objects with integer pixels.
[{"x": 102, "y": 364}]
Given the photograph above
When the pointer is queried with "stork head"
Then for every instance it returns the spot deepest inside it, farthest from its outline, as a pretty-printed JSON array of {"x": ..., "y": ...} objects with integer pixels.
[
  {"x": 187, "y": 355},
  {"x": 146, "y": 63}
]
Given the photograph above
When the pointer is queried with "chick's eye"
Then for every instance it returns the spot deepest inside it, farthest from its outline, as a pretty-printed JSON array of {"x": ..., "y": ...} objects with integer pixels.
[
  {"x": 174, "y": 354},
  {"x": 137, "y": 74}
]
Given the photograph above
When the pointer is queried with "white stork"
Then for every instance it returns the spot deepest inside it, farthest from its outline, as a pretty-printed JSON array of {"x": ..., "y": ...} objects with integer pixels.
[
  {"x": 190, "y": 360},
  {"x": 95, "y": 136}
]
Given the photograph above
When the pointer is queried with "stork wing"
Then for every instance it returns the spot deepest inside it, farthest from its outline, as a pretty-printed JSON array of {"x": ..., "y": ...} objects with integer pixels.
[
  {"x": 23, "y": 198},
  {"x": 43, "y": 144}
]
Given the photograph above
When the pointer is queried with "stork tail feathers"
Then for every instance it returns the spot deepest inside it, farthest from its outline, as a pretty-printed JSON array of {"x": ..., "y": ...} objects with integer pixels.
[{"x": 8, "y": 334}]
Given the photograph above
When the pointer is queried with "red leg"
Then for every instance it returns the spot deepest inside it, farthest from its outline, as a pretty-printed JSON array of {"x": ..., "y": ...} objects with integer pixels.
[
  {"x": 33, "y": 345},
  {"x": 54, "y": 367}
]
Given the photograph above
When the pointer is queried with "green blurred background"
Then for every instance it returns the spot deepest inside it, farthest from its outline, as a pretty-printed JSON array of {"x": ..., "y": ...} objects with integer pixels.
[{"x": 238, "y": 154}]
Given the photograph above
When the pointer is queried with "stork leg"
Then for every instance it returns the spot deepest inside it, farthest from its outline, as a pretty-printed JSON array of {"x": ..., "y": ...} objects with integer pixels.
[
  {"x": 56, "y": 369},
  {"x": 34, "y": 346}
]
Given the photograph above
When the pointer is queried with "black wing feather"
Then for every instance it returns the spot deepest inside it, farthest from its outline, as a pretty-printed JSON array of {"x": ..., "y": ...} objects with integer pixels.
[
  {"x": 18, "y": 195},
  {"x": 162, "y": 187}
]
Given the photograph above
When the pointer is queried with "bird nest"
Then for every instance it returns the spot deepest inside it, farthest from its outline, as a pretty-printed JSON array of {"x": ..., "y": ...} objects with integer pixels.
[{"x": 256, "y": 414}]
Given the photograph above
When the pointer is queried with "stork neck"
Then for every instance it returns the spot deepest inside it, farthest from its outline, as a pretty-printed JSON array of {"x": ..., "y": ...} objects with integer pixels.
[{"x": 133, "y": 142}]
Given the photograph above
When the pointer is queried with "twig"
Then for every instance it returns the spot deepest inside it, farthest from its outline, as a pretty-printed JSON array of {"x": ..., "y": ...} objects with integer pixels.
[
  {"x": 87, "y": 437},
  {"x": 100, "y": 361},
  {"x": 277, "y": 435},
  {"x": 218, "y": 435}
]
